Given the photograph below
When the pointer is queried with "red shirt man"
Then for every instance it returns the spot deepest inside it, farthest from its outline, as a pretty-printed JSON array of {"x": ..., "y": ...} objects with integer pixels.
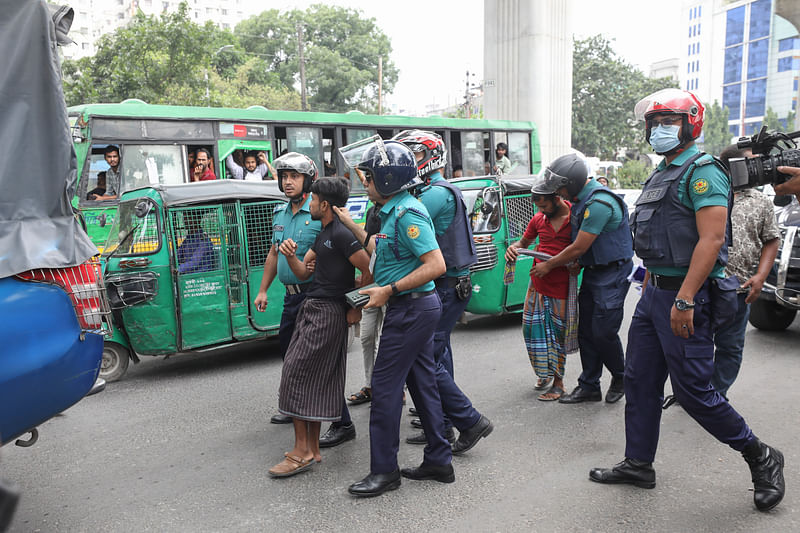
[{"x": 203, "y": 158}]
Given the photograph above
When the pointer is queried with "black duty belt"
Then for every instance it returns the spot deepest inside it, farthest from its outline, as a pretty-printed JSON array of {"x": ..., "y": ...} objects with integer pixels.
[
  {"x": 669, "y": 283},
  {"x": 297, "y": 289},
  {"x": 446, "y": 282},
  {"x": 612, "y": 264},
  {"x": 409, "y": 296}
]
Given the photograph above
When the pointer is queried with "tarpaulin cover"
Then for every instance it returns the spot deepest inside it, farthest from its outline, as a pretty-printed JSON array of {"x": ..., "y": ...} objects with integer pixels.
[{"x": 37, "y": 161}]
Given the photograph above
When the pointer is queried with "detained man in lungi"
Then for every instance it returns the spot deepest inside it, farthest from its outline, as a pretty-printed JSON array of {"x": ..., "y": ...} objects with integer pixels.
[
  {"x": 549, "y": 317},
  {"x": 313, "y": 375}
]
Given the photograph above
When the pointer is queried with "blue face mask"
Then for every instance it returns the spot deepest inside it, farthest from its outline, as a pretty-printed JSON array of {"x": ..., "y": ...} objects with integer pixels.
[{"x": 664, "y": 138}]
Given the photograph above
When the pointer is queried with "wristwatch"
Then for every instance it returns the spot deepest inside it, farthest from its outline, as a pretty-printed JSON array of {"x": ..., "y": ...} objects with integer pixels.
[
  {"x": 683, "y": 305},
  {"x": 394, "y": 288}
]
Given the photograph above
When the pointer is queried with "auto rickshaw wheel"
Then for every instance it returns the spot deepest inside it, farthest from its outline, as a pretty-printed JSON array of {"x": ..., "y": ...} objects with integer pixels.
[{"x": 115, "y": 362}]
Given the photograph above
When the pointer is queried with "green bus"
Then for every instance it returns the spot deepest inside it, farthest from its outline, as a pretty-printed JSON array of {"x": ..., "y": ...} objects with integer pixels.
[{"x": 155, "y": 142}]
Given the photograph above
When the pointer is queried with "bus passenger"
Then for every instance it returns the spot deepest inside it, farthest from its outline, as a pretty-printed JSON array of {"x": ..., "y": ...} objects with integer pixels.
[
  {"x": 203, "y": 158},
  {"x": 254, "y": 169},
  {"x": 503, "y": 164},
  {"x": 109, "y": 178}
]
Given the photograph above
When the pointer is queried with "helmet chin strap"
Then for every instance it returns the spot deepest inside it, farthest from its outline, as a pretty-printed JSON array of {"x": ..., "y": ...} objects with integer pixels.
[{"x": 299, "y": 199}]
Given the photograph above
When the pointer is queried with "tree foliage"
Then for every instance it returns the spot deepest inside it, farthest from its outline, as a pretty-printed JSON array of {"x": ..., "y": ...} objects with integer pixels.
[
  {"x": 605, "y": 90},
  {"x": 341, "y": 52},
  {"x": 716, "y": 134},
  {"x": 632, "y": 174}
]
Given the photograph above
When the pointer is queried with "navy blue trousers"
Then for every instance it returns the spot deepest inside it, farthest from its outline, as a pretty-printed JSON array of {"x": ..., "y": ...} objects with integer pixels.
[
  {"x": 291, "y": 306},
  {"x": 654, "y": 353},
  {"x": 601, "y": 305},
  {"x": 405, "y": 355},
  {"x": 457, "y": 408}
]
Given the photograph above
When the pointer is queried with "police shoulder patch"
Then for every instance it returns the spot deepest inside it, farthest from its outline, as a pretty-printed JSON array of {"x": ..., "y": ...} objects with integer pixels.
[
  {"x": 413, "y": 231},
  {"x": 700, "y": 186},
  {"x": 586, "y": 214}
]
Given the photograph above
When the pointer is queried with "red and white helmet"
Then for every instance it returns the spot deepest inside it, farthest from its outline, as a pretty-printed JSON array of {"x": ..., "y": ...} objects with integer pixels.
[
  {"x": 677, "y": 102},
  {"x": 435, "y": 153}
]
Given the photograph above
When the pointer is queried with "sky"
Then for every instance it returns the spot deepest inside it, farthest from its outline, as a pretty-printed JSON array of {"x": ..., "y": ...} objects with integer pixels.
[{"x": 438, "y": 42}]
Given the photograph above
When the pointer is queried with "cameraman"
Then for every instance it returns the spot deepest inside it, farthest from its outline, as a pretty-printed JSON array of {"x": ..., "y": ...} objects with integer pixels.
[
  {"x": 791, "y": 186},
  {"x": 756, "y": 238}
]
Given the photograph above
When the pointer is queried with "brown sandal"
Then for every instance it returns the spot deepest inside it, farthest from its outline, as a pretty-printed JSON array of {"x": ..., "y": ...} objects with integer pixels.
[
  {"x": 552, "y": 395},
  {"x": 290, "y": 466}
]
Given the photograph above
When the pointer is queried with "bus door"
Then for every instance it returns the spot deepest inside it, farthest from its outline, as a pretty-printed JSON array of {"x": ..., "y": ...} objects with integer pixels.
[
  {"x": 202, "y": 281},
  {"x": 257, "y": 219},
  {"x": 244, "y": 137}
]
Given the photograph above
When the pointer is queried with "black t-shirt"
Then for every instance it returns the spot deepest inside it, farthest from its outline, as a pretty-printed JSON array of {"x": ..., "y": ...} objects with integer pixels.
[
  {"x": 372, "y": 223},
  {"x": 334, "y": 275}
]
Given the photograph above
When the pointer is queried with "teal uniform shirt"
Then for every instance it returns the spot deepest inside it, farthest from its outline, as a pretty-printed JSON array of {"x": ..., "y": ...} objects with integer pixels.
[
  {"x": 441, "y": 205},
  {"x": 407, "y": 228},
  {"x": 301, "y": 229},
  {"x": 597, "y": 217},
  {"x": 709, "y": 186}
]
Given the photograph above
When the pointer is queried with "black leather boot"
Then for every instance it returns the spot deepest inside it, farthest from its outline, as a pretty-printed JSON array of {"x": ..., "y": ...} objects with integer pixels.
[
  {"x": 766, "y": 469},
  {"x": 629, "y": 471}
]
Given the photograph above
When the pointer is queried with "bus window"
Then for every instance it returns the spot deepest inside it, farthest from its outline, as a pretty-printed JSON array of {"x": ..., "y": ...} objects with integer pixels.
[
  {"x": 144, "y": 165},
  {"x": 329, "y": 152},
  {"x": 519, "y": 152},
  {"x": 472, "y": 159},
  {"x": 306, "y": 141},
  {"x": 352, "y": 135},
  {"x": 94, "y": 184}
]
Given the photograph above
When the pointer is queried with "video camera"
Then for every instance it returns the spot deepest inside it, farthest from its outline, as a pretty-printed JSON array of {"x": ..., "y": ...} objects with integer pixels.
[{"x": 771, "y": 149}]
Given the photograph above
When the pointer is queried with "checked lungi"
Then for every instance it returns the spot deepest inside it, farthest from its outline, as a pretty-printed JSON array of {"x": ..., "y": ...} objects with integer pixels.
[
  {"x": 549, "y": 327},
  {"x": 313, "y": 375}
]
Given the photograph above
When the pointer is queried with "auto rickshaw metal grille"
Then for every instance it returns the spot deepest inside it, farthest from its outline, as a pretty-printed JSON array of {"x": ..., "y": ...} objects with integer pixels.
[
  {"x": 258, "y": 218},
  {"x": 487, "y": 257},
  {"x": 145, "y": 238},
  {"x": 519, "y": 212},
  {"x": 197, "y": 239},
  {"x": 233, "y": 252}
]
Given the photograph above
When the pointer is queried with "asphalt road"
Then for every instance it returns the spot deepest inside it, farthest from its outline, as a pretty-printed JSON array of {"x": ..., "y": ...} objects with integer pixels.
[{"x": 185, "y": 444}]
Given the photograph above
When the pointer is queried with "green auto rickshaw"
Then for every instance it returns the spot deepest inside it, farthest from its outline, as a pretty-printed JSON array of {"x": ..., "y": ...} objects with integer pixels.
[{"x": 183, "y": 266}]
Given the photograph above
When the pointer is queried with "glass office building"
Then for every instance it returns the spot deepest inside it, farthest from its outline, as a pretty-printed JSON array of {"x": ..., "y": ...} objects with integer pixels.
[{"x": 743, "y": 54}]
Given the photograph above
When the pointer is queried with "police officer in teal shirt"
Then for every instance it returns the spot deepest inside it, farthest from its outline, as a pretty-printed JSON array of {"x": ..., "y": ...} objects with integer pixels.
[
  {"x": 406, "y": 260},
  {"x": 681, "y": 234},
  {"x": 293, "y": 233},
  {"x": 447, "y": 209}
]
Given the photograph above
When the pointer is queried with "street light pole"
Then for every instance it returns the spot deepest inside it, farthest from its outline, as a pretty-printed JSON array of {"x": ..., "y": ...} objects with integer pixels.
[{"x": 220, "y": 49}]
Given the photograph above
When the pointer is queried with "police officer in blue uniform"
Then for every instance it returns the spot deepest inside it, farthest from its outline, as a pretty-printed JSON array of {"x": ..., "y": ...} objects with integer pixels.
[
  {"x": 406, "y": 261},
  {"x": 681, "y": 234},
  {"x": 447, "y": 209},
  {"x": 602, "y": 246},
  {"x": 294, "y": 231}
]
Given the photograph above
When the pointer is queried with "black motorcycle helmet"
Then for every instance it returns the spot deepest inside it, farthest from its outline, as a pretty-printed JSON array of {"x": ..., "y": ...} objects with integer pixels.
[{"x": 569, "y": 171}]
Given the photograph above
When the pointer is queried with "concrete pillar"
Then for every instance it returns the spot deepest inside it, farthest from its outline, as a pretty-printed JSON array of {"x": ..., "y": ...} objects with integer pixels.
[{"x": 528, "y": 68}]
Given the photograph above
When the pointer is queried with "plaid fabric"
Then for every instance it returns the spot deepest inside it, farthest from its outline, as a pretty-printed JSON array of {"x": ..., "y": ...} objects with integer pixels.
[
  {"x": 543, "y": 331},
  {"x": 571, "y": 333}
]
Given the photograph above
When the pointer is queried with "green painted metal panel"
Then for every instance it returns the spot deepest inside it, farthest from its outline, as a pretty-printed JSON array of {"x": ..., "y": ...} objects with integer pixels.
[{"x": 151, "y": 326}]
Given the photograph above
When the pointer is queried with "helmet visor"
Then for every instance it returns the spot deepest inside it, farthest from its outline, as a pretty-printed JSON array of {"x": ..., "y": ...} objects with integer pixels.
[
  {"x": 354, "y": 153},
  {"x": 550, "y": 181},
  {"x": 665, "y": 101}
]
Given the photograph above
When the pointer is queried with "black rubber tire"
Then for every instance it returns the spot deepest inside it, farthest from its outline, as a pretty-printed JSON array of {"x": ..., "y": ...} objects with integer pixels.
[
  {"x": 770, "y": 316},
  {"x": 115, "y": 362}
]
